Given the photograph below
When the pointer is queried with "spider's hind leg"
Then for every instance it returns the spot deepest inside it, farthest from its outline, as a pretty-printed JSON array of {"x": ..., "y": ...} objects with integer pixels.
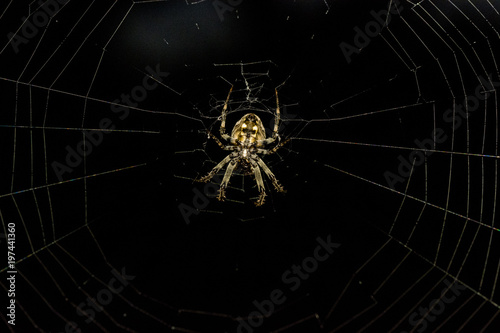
[
  {"x": 260, "y": 185},
  {"x": 271, "y": 176},
  {"x": 225, "y": 181},
  {"x": 215, "y": 170}
]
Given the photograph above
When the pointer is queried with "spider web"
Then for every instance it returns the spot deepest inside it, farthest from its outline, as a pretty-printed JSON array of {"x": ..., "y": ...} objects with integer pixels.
[
  {"x": 392, "y": 159},
  {"x": 253, "y": 91}
]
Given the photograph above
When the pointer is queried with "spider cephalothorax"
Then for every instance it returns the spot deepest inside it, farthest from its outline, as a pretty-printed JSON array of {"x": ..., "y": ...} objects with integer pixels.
[{"x": 247, "y": 140}]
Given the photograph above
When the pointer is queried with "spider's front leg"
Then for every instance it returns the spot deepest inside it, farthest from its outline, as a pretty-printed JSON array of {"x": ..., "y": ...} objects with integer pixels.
[
  {"x": 277, "y": 117},
  {"x": 223, "y": 118}
]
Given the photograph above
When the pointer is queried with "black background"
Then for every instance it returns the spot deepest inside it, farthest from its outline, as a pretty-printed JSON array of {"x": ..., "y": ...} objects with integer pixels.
[{"x": 203, "y": 275}]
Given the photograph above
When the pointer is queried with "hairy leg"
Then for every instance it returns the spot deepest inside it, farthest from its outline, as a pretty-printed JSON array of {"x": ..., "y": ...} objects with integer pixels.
[
  {"x": 216, "y": 169},
  {"x": 270, "y": 175},
  {"x": 260, "y": 185},
  {"x": 225, "y": 181},
  {"x": 223, "y": 120}
]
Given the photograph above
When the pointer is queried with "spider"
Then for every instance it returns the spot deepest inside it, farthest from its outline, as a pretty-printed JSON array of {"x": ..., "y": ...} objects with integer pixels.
[{"x": 247, "y": 141}]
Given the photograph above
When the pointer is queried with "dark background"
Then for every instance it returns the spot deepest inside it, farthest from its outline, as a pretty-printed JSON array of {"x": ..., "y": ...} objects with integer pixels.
[{"x": 347, "y": 123}]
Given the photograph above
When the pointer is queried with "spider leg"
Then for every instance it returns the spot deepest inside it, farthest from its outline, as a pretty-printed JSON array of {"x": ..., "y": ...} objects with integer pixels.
[
  {"x": 273, "y": 150},
  {"x": 225, "y": 180},
  {"x": 260, "y": 185},
  {"x": 210, "y": 134},
  {"x": 270, "y": 174},
  {"x": 277, "y": 118},
  {"x": 215, "y": 169},
  {"x": 223, "y": 118}
]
